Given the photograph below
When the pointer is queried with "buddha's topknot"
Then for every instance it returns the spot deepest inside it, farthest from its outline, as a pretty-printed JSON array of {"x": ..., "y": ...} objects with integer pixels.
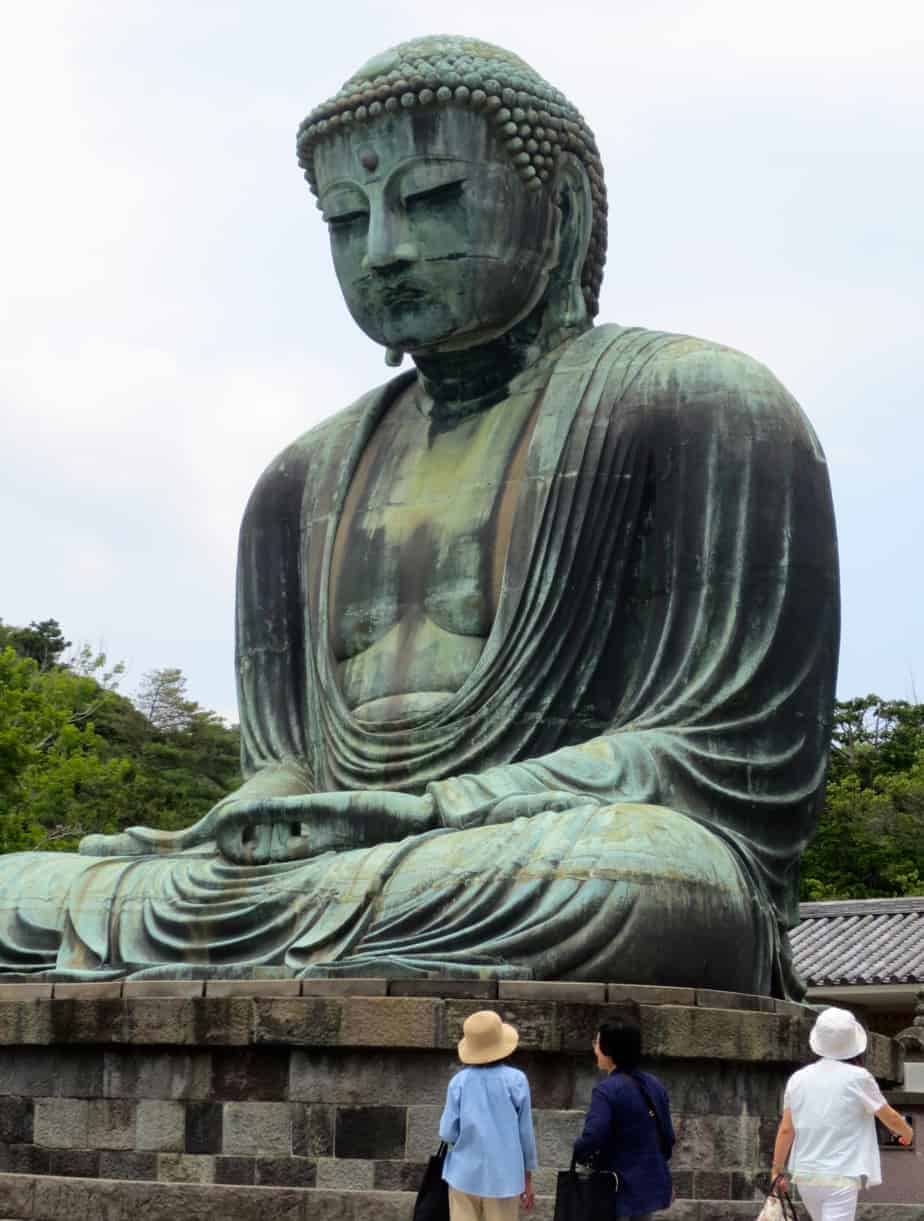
[{"x": 536, "y": 122}]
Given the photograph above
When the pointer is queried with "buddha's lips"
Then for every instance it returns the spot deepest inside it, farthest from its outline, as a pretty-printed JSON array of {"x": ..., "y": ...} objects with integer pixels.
[
  {"x": 392, "y": 296},
  {"x": 407, "y": 297}
]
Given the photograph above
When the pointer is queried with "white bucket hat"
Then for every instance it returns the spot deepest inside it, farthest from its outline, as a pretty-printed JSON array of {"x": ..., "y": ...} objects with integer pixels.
[{"x": 837, "y": 1035}]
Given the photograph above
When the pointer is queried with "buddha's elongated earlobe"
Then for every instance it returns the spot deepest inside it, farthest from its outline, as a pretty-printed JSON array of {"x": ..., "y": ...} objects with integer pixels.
[
  {"x": 575, "y": 307},
  {"x": 393, "y": 357},
  {"x": 575, "y": 206}
]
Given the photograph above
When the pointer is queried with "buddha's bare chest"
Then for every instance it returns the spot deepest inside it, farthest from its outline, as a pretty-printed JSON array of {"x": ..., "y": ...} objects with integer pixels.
[{"x": 420, "y": 550}]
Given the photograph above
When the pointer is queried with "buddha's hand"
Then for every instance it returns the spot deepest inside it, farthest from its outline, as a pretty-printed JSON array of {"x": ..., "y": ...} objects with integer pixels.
[
  {"x": 258, "y": 830},
  {"x": 527, "y": 805}
]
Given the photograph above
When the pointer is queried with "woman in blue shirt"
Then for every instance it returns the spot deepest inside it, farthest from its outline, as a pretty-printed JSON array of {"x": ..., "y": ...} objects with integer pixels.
[
  {"x": 488, "y": 1122},
  {"x": 628, "y": 1127}
]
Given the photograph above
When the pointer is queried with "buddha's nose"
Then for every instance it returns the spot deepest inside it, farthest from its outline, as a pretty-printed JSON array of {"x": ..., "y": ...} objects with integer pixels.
[{"x": 387, "y": 244}]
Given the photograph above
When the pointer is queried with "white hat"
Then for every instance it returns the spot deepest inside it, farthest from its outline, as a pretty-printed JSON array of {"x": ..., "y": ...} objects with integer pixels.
[{"x": 837, "y": 1035}]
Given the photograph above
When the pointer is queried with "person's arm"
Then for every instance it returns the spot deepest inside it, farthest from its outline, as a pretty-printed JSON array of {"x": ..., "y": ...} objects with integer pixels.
[
  {"x": 875, "y": 1104},
  {"x": 527, "y": 1141},
  {"x": 528, "y": 1196},
  {"x": 785, "y": 1134},
  {"x": 597, "y": 1126},
  {"x": 451, "y": 1119},
  {"x": 895, "y": 1123},
  {"x": 523, "y": 1105}
]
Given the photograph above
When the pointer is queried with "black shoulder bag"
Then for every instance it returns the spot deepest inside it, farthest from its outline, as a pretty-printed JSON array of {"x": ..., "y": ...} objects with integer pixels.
[
  {"x": 663, "y": 1143},
  {"x": 432, "y": 1203}
]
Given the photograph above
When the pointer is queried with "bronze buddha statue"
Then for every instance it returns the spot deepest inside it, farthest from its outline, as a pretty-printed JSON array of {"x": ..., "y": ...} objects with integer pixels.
[{"x": 536, "y": 643}]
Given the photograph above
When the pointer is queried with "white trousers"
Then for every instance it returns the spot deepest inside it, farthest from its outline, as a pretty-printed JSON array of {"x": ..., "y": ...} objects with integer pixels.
[{"x": 830, "y": 1203}]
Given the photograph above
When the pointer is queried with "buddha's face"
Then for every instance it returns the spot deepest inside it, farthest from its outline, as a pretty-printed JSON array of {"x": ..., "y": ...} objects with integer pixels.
[{"x": 437, "y": 242}]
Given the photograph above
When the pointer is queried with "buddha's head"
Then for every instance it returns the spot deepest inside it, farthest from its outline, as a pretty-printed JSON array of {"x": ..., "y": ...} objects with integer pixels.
[{"x": 463, "y": 195}]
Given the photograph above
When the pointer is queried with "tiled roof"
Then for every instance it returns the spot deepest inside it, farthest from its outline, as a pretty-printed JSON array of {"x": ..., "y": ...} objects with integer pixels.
[{"x": 860, "y": 941}]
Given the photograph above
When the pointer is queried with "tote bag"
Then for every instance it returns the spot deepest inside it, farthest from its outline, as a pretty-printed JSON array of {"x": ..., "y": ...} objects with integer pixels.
[
  {"x": 432, "y": 1202},
  {"x": 777, "y": 1207},
  {"x": 585, "y": 1197}
]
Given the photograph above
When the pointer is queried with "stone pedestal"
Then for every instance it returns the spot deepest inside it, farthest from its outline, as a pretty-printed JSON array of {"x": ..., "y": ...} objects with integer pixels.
[{"x": 319, "y": 1100}]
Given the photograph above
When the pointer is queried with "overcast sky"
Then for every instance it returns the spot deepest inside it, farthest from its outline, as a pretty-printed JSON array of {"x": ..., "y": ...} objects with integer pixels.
[{"x": 170, "y": 319}]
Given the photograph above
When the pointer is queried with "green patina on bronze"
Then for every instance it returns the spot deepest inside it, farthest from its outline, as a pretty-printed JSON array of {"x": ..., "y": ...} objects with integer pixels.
[
  {"x": 536, "y": 643},
  {"x": 534, "y": 123}
]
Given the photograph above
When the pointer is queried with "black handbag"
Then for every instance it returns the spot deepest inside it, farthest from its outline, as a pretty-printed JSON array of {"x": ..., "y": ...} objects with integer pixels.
[
  {"x": 432, "y": 1203},
  {"x": 585, "y": 1196}
]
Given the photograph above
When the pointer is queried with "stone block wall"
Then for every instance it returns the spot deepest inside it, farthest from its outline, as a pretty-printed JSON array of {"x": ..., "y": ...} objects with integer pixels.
[
  {"x": 340, "y": 1092},
  {"x": 344, "y": 1118},
  {"x": 31, "y": 1198}
]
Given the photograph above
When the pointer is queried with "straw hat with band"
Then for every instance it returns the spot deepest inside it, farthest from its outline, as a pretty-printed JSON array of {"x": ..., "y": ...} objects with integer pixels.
[
  {"x": 486, "y": 1038},
  {"x": 837, "y": 1035}
]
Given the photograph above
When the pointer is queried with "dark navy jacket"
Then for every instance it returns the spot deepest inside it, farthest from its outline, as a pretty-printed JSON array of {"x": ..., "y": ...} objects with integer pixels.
[{"x": 619, "y": 1134}]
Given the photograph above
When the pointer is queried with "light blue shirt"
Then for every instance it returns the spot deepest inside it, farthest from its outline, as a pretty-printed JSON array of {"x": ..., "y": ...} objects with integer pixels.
[{"x": 488, "y": 1121}]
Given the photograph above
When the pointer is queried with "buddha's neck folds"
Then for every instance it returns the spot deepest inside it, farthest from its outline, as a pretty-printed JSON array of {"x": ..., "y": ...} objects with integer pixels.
[{"x": 473, "y": 379}]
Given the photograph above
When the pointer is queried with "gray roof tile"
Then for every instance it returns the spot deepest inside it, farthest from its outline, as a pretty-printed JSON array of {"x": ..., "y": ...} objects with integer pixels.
[{"x": 860, "y": 941}]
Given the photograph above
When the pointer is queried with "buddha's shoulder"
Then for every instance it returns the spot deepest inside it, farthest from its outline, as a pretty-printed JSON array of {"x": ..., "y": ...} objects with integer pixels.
[
  {"x": 663, "y": 368},
  {"x": 317, "y": 446}
]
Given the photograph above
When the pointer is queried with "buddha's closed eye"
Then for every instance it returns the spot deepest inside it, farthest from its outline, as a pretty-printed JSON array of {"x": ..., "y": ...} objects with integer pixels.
[
  {"x": 439, "y": 193},
  {"x": 341, "y": 220}
]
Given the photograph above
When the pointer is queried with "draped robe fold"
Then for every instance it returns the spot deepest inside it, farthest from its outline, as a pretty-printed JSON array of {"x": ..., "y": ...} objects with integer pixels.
[{"x": 652, "y": 709}]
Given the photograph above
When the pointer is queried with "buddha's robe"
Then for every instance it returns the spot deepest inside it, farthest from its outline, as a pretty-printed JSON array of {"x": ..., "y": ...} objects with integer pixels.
[{"x": 651, "y": 710}]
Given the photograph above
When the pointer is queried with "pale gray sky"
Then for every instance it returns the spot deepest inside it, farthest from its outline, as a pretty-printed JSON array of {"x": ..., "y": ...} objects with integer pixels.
[{"x": 170, "y": 319}]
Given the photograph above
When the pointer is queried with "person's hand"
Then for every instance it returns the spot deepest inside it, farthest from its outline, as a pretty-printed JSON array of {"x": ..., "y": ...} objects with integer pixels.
[
  {"x": 780, "y": 1184},
  {"x": 257, "y": 830},
  {"x": 527, "y": 1196},
  {"x": 904, "y": 1140}
]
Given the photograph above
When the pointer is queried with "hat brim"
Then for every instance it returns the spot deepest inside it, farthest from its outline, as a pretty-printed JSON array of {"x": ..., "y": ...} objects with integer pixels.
[
  {"x": 498, "y": 1049},
  {"x": 820, "y": 1047}
]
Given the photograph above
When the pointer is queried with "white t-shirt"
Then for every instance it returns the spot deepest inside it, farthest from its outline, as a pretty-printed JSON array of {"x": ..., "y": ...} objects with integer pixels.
[{"x": 832, "y": 1106}]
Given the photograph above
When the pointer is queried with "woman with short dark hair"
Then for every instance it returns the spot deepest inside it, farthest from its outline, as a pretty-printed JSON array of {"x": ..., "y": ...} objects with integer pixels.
[{"x": 628, "y": 1128}]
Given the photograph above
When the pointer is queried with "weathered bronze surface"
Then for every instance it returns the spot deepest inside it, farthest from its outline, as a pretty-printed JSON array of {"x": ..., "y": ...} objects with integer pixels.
[{"x": 536, "y": 643}]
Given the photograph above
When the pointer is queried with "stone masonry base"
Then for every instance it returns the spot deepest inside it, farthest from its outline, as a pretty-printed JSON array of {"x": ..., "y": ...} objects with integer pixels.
[
  {"x": 47, "y": 1198},
  {"x": 316, "y": 1100}
]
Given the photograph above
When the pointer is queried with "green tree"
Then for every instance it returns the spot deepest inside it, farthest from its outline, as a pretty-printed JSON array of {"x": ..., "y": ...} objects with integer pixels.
[
  {"x": 162, "y": 699},
  {"x": 77, "y": 757},
  {"x": 56, "y": 782},
  {"x": 25, "y": 720},
  {"x": 44, "y": 642},
  {"x": 870, "y": 840},
  {"x": 874, "y": 737}
]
